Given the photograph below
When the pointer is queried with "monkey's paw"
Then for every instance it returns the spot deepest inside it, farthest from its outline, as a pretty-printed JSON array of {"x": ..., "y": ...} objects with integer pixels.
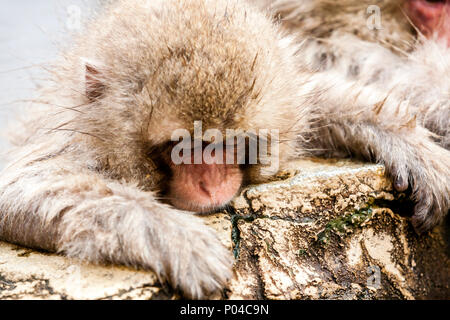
[
  {"x": 176, "y": 245},
  {"x": 195, "y": 261},
  {"x": 427, "y": 172}
]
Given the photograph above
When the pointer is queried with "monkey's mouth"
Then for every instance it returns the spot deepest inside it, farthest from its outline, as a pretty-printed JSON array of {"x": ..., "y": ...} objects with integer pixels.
[
  {"x": 431, "y": 17},
  {"x": 204, "y": 188}
]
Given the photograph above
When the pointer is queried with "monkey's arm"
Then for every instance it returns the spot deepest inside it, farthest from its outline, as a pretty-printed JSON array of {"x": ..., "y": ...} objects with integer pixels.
[
  {"x": 421, "y": 77},
  {"x": 351, "y": 122},
  {"x": 52, "y": 205}
]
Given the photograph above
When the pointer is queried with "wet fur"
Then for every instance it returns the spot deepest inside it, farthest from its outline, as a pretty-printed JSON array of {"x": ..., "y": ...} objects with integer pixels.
[{"x": 83, "y": 178}]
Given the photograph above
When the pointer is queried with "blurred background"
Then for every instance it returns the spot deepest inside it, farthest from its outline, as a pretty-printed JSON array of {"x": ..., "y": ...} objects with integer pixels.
[{"x": 30, "y": 34}]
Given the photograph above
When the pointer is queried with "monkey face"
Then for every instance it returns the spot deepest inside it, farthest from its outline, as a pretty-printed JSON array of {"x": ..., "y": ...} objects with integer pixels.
[
  {"x": 431, "y": 17},
  {"x": 240, "y": 115},
  {"x": 210, "y": 169},
  {"x": 210, "y": 72},
  {"x": 207, "y": 185}
]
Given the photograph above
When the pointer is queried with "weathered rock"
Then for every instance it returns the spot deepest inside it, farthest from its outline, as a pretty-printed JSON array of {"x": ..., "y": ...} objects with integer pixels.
[
  {"x": 26, "y": 274},
  {"x": 335, "y": 230}
]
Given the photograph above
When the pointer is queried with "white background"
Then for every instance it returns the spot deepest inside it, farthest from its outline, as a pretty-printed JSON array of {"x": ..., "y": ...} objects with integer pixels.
[{"x": 31, "y": 31}]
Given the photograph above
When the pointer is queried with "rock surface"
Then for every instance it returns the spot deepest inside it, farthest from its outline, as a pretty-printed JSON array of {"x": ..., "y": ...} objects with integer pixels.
[{"x": 334, "y": 230}]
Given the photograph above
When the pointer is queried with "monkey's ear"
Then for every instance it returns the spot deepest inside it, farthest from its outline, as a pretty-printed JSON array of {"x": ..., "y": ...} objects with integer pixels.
[{"x": 93, "y": 83}]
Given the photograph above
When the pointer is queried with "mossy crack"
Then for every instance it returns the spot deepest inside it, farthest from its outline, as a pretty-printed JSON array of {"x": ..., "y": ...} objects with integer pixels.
[{"x": 344, "y": 225}]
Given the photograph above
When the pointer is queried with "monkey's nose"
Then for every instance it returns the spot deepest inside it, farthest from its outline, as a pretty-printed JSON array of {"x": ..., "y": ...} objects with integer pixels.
[
  {"x": 204, "y": 188},
  {"x": 216, "y": 193}
]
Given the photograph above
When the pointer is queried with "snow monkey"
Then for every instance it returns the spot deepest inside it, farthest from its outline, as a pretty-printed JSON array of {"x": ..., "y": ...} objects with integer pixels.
[{"x": 92, "y": 173}]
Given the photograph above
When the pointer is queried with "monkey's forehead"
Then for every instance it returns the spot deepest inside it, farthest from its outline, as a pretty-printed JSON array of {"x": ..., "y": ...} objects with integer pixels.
[
  {"x": 138, "y": 37},
  {"x": 227, "y": 66}
]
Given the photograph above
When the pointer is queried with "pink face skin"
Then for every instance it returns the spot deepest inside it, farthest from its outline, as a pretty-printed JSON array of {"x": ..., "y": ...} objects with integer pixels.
[
  {"x": 204, "y": 187},
  {"x": 432, "y": 18}
]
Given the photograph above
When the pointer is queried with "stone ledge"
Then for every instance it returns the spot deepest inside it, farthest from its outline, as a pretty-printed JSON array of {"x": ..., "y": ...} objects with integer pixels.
[{"x": 331, "y": 231}]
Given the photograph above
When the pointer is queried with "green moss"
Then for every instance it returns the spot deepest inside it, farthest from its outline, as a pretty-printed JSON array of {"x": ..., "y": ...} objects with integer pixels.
[{"x": 344, "y": 225}]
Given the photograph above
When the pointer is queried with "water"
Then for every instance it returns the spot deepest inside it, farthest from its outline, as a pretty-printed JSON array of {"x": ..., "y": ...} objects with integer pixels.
[{"x": 30, "y": 34}]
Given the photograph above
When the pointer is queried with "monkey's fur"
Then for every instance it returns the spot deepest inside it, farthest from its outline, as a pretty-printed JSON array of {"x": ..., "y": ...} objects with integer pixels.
[
  {"x": 84, "y": 175},
  {"x": 336, "y": 39}
]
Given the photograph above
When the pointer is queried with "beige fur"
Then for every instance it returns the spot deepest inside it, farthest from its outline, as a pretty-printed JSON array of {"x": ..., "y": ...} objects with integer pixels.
[{"x": 83, "y": 179}]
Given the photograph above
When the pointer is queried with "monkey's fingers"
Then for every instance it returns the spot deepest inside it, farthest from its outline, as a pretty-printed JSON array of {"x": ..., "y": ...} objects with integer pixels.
[
  {"x": 401, "y": 183},
  {"x": 431, "y": 191},
  {"x": 200, "y": 265}
]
